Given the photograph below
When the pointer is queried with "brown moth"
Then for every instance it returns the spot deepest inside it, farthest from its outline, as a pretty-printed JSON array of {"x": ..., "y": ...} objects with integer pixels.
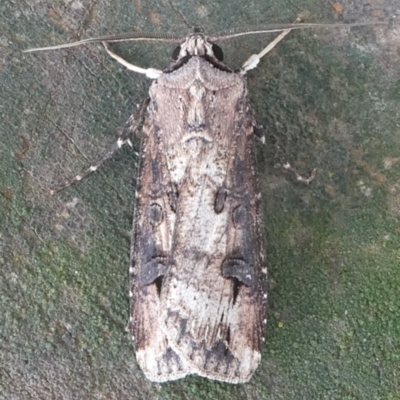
[
  {"x": 197, "y": 252},
  {"x": 197, "y": 257}
]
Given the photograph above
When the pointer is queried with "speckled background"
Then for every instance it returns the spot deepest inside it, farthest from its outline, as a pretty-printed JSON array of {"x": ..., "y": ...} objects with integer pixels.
[{"x": 328, "y": 99}]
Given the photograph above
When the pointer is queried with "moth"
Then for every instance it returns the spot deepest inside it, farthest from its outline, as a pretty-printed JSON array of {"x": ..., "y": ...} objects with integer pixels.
[{"x": 197, "y": 270}]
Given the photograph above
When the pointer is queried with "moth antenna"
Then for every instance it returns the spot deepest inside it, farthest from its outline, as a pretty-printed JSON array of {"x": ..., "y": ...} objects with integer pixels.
[
  {"x": 123, "y": 37},
  {"x": 234, "y": 33},
  {"x": 224, "y": 35}
]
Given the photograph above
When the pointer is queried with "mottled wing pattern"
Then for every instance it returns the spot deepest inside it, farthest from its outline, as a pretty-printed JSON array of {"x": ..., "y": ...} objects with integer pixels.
[
  {"x": 153, "y": 228},
  {"x": 203, "y": 282}
]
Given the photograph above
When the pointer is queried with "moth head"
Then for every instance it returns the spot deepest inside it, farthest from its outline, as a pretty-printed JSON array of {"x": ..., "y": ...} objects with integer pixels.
[{"x": 197, "y": 44}]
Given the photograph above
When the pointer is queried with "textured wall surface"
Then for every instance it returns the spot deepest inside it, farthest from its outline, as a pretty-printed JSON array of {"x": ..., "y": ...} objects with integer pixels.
[{"x": 327, "y": 99}]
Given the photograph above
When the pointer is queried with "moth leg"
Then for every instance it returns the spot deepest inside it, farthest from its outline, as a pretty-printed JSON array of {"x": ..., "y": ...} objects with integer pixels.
[
  {"x": 128, "y": 131},
  {"x": 299, "y": 177},
  {"x": 151, "y": 73},
  {"x": 258, "y": 131},
  {"x": 254, "y": 59}
]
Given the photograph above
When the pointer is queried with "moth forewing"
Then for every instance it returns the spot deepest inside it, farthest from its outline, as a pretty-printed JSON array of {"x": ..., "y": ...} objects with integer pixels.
[{"x": 197, "y": 254}]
